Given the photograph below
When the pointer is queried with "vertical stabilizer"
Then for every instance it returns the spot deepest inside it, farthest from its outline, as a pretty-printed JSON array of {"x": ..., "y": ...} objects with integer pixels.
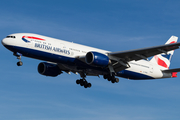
[{"x": 163, "y": 60}]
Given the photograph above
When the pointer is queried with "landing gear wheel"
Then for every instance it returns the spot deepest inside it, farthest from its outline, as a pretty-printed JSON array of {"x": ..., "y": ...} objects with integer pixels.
[
  {"x": 81, "y": 82},
  {"x": 117, "y": 80},
  {"x": 77, "y": 81},
  {"x": 19, "y": 63},
  {"x": 85, "y": 86},
  {"x": 89, "y": 85},
  {"x": 109, "y": 78},
  {"x": 18, "y": 55},
  {"x": 105, "y": 76},
  {"x": 84, "y": 83},
  {"x": 113, "y": 81}
]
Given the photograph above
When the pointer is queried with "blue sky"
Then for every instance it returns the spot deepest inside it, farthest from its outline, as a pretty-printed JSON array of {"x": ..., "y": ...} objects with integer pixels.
[{"x": 113, "y": 25}]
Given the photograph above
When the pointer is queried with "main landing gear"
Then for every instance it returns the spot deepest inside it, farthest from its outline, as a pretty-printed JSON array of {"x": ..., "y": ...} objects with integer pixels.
[
  {"x": 83, "y": 81},
  {"x": 18, "y": 55},
  {"x": 111, "y": 78}
]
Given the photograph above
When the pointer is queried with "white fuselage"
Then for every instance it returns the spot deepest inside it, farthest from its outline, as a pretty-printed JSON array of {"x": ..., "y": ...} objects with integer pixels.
[{"x": 72, "y": 50}]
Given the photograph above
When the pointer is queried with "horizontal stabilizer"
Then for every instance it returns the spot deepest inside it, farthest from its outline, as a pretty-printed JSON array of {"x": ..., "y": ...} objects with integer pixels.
[{"x": 171, "y": 70}]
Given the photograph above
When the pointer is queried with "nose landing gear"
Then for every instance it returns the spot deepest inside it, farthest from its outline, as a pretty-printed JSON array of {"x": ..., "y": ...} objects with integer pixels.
[
  {"x": 18, "y": 55},
  {"x": 20, "y": 63}
]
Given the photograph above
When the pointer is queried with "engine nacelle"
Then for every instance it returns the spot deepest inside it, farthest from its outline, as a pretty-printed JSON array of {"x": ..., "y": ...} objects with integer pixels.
[
  {"x": 48, "y": 69},
  {"x": 97, "y": 59}
]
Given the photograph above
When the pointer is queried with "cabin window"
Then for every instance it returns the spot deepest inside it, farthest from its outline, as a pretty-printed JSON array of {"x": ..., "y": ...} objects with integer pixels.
[{"x": 11, "y": 37}]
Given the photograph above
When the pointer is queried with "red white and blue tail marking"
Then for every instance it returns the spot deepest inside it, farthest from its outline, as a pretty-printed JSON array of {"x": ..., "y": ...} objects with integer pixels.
[{"x": 163, "y": 60}]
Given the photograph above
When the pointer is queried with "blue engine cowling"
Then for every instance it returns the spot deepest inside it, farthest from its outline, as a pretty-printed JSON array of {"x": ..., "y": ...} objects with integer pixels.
[
  {"x": 97, "y": 59},
  {"x": 48, "y": 69}
]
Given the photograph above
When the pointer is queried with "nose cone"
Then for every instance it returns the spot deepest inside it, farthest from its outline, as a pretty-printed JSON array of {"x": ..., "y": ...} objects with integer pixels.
[
  {"x": 4, "y": 42},
  {"x": 7, "y": 41}
]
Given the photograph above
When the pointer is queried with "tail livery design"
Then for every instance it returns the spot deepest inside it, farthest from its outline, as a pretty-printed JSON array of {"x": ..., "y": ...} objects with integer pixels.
[{"x": 163, "y": 60}]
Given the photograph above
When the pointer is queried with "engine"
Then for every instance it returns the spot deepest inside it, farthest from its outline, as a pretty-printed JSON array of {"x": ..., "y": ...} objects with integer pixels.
[
  {"x": 48, "y": 69},
  {"x": 97, "y": 59}
]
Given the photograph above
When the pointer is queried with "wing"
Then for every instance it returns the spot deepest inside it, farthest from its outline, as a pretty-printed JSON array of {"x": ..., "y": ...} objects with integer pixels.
[
  {"x": 120, "y": 59},
  {"x": 144, "y": 53}
]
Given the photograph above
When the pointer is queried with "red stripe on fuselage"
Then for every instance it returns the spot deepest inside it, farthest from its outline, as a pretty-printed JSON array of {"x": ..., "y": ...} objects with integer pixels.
[{"x": 31, "y": 37}]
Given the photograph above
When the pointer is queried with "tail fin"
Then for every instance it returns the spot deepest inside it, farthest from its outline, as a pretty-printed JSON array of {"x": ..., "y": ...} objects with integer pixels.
[{"x": 163, "y": 60}]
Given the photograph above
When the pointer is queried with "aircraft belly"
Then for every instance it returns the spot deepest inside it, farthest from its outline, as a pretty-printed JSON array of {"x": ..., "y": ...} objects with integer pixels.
[
  {"x": 133, "y": 75},
  {"x": 137, "y": 71},
  {"x": 70, "y": 63}
]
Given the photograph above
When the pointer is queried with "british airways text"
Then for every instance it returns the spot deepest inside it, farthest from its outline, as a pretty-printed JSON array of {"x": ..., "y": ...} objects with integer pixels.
[{"x": 50, "y": 48}]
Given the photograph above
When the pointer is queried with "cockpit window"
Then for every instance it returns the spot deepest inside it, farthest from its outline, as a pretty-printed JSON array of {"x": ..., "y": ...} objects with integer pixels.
[{"x": 11, "y": 37}]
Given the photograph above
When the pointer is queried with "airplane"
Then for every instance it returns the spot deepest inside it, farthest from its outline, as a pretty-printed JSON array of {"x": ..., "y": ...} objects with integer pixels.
[{"x": 61, "y": 56}]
